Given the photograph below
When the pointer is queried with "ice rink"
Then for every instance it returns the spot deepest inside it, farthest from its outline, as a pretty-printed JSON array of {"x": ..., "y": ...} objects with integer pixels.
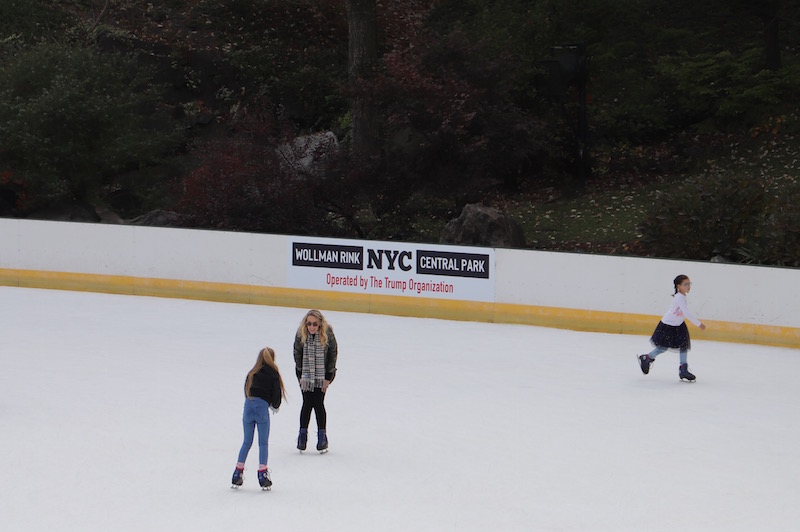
[{"x": 123, "y": 413}]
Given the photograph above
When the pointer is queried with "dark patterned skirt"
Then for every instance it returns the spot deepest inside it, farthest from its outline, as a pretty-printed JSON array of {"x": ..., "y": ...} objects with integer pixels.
[{"x": 671, "y": 337}]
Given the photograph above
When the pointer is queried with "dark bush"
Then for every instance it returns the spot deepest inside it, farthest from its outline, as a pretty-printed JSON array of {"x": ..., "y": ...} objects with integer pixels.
[
  {"x": 72, "y": 119},
  {"x": 703, "y": 217},
  {"x": 30, "y": 20},
  {"x": 776, "y": 241},
  {"x": 720, "y": 89},
  {"x": 452, "y": 129},
  {"x": 294, "y": 53}
]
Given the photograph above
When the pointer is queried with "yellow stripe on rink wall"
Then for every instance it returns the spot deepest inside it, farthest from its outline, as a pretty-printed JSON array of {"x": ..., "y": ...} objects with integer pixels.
[{"x": 562, "y": 318}]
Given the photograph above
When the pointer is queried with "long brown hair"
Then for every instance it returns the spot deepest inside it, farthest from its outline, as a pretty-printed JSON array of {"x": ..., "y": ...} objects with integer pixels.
[
  {"x": 266, "y": 357},
  {"x": 302, "y": 331}
]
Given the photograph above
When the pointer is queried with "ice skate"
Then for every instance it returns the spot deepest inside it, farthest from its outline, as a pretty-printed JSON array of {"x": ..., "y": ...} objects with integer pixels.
[
  {"x": 264, "y": 479},
  {"x": 302, "y": 439},
  {"x": 322, "y": 441},
  {"x": 238, "y": 477},
  {"x": 683, "y": 373},
  {"x": 645, "y": 362}
]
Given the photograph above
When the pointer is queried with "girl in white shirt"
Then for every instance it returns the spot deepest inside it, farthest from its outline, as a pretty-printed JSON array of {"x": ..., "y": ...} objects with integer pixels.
[{"x": 671, "y": 332}]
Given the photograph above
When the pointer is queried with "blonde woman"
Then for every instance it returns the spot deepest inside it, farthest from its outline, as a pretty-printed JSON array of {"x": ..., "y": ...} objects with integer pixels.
[
  {"x": 263, "y": 388},
  {"x": 315, "y": 353}
]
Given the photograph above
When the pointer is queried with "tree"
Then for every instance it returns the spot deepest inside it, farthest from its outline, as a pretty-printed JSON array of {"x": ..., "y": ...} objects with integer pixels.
[
  {"x": 72, "y": 119},
  {"x": 772, "y": 42},
  {"x": 363, "y": 58}
]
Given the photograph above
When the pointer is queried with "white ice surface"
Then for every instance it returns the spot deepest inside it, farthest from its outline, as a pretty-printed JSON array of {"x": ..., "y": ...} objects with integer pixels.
[{"x": 124, "y": 413}]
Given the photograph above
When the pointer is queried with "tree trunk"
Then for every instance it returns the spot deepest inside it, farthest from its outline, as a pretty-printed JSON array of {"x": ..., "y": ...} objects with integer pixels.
[
  {"x": 362, "y": 26},
  {"x": 772, "y": 44}
]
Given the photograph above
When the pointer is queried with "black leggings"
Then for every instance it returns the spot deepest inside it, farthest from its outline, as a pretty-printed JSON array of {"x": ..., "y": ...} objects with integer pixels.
[{"x": 315, "y": 401}]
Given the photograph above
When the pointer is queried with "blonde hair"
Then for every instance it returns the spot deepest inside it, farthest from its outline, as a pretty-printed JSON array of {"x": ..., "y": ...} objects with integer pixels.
[
  {"x": 266, "y": 357},
  {"x": 302, "y": 331}
]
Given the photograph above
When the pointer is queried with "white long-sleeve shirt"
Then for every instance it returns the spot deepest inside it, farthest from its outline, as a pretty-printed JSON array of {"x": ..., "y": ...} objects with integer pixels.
[{"x": 679, "y": 311}]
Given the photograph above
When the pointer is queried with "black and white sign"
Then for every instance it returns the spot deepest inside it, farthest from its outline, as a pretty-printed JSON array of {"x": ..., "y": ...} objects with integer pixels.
[{"x": 391, "y": 268}]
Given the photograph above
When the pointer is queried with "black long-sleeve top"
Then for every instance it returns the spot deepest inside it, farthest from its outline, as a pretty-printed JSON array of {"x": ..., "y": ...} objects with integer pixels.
[{"x": 266, "y": 385}]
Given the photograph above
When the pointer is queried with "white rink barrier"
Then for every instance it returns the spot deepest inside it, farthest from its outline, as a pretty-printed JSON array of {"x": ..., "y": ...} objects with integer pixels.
[{"x": 739, "y": 303}]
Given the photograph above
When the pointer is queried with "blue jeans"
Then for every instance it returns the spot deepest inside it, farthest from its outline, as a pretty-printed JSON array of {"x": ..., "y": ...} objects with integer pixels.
[
  {"x": 256, "y": 412},
  {"x": 658, "y": 350}
]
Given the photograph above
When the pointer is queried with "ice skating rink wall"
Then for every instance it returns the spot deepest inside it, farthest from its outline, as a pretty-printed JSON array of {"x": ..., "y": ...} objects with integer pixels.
[{"x": 738, "y": 303}]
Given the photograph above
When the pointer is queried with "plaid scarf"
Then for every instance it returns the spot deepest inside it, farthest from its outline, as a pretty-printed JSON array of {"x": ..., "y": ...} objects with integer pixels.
[{"x": 313, "y": 374}]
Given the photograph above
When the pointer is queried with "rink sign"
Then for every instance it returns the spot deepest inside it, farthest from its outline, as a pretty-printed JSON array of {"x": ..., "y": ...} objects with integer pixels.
[{"x": 389, "y": 268}]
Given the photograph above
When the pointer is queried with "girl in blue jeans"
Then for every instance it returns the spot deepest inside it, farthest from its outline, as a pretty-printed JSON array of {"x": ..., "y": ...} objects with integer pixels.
[{"x": 263, "y": 389}]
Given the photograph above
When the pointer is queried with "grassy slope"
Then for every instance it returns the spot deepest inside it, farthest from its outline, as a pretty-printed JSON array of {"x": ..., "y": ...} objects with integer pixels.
[{"x": 605, "y": 218}]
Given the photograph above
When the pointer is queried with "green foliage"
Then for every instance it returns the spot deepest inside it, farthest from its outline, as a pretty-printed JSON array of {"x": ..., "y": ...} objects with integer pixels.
[
  {"x": 658, "y": 67},
  {"x": 294, "y": 53},
  {"x": 452, "y": 126},
  {"x": 723, "y": 88},
  {"x": 704, "y": 216},
  {"x": 70, "y": 119},
  {"x": 308, "y": 90},
  {"x": 31, "y": 19},
  {"x": 776, "y": 240}
]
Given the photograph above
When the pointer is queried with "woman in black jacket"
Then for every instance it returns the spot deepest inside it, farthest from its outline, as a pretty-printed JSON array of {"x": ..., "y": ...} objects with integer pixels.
[
  {"x": 315, "y": 353},
  {"x": 263, "y": 389}
]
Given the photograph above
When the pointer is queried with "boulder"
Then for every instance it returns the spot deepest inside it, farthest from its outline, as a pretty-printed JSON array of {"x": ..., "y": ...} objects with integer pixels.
[
  {"x": 158, "y": 218},
  {"x": 479, "y": 225},
  {"x": 306, "y": 155}
]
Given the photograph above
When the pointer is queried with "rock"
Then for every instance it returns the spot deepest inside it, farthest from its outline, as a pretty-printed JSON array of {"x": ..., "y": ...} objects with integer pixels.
[
  {"x": 307, "y": 154},
  {"x": 107, "y": 216},
  {"x": 157, "y": 218},
  {"x": 479, "y": 225}
]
